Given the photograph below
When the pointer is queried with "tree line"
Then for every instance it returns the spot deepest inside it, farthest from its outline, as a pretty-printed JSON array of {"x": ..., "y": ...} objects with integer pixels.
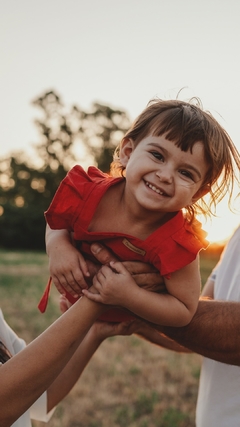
[{"x": 27, "y": 187}]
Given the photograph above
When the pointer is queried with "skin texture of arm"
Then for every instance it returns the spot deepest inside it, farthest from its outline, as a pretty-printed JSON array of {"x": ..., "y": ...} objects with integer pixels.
[
  {"x": 158, "y": 338},
  {"x": 149, "y": 333},
  {"x": 74, "y": 368},
  {"x": 214, "y": 330},
  {"x": 64, "y": 382},
  {"x": 32, "y": 371}
]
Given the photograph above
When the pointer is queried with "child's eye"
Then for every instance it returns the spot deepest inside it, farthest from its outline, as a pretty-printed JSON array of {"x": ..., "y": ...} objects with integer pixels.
[
  {"x": 157, "y": 155},
  {"x": 187, "y": 174}
]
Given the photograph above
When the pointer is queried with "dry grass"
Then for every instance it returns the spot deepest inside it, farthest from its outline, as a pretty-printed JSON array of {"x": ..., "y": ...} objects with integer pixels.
[{"x": 129, "y": 382}]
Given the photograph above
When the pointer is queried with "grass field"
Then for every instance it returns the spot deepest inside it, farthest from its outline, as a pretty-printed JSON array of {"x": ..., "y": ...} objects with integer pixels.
[{"x": 128, "y": 383}]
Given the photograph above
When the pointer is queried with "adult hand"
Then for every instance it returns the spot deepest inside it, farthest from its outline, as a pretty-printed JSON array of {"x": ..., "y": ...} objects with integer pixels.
[
  {"x": 103, "y": 330},
  {"x": 67, "y": 266},
  {"x": 145, "y": 275}
]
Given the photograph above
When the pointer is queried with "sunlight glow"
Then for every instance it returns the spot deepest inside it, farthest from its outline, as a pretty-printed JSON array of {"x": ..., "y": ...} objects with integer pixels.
[{"x": 221, "y": 227}]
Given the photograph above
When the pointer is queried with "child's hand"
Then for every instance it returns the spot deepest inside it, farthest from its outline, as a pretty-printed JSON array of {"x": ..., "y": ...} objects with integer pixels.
[
  {"x": 145, "y": 275},
  {"x": 68, "y": 270},
  {"x": 111, "y": 285}
]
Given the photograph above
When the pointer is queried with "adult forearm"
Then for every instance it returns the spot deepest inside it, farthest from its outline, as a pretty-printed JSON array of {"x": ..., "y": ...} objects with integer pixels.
[
  {"x": 73, "y": 370},
  {"x": 213, "y": 332},
  {"x": 28, "y": 374},
  {"x": 156, "y": 337}
]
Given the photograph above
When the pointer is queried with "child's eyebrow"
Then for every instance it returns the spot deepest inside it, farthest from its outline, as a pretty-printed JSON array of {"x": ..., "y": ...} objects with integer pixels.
[
  {"x": 184, "y": 165},
  {"x": 191, "y": 167},
  {"x": 156, "y": 145}
]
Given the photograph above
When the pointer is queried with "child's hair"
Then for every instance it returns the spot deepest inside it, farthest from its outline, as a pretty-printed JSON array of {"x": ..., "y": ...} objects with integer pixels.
[
  {"x": 184, "y": 124},
  {"x": 5, "y": 355}
]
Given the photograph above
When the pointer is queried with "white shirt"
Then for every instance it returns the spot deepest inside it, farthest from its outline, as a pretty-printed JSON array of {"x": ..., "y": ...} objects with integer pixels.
[
  {"x": 218, "y": 402},
  {"x": 14, "y": 344}
]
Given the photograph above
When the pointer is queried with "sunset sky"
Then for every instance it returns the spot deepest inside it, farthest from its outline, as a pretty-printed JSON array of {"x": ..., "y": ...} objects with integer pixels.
[{"x": 121, "y": 53}]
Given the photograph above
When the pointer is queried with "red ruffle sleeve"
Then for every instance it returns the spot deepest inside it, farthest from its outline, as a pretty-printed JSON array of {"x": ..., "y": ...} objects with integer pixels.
[
  {"x": 72, "y": 191},
  {"x": 179, "y": 246}
]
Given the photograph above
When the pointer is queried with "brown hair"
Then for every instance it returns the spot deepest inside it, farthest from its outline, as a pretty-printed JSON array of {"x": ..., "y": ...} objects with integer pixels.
[
  {"x": 186, "y": 123},
  {"x": 5, "y": 355}
]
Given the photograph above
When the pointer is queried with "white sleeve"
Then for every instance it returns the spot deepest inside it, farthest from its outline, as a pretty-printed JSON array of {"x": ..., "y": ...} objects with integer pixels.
[
  {"x": 38, "y": 410},
  {"x": 13, "y": 343},
  {"x": 213, "y": 275}
]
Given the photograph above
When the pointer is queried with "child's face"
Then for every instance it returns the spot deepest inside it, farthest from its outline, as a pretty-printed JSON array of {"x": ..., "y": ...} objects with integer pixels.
[{"x": 160, "y": 176}]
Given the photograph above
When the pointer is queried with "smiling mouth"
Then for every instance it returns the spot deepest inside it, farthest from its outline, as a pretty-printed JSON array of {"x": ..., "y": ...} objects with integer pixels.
[{"x": 157, "y": 190}]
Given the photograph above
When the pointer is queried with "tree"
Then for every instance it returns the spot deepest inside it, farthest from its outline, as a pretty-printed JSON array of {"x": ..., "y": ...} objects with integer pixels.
[
  {"x": 26, "y": 190},
  {"x": 100, "y": 131}
]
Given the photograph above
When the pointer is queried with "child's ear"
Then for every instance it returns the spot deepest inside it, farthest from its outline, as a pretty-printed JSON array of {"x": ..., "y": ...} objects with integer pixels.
[
  {"x": 201, "y": 193},
  {"x": 126, "y": 149}
]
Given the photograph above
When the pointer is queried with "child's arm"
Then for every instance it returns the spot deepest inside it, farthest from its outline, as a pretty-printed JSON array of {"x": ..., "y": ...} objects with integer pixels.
[
  {"x": 67, "y": 266},
  {"x": 174, "y": 308}
]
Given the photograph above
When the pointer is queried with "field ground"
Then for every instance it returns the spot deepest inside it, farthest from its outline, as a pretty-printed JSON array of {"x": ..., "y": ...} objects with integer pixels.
[{"x": 128, "y": 383}]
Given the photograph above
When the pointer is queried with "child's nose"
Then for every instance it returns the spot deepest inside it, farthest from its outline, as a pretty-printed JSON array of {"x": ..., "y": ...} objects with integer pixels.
[{"x": 164, "y": 175}]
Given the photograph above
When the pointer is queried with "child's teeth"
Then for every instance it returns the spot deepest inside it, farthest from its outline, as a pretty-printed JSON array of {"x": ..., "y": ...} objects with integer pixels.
[{"x": 154, "y": 188}]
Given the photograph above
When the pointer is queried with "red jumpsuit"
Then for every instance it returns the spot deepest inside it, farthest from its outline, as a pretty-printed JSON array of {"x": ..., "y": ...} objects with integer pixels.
[{"x": 169, "y": 248}]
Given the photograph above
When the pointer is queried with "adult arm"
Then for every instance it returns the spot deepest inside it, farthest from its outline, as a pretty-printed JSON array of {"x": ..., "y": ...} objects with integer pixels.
[
  {"x": 214, "y": 330},
  {"x": 74, "y": 368},
  {"x": 158, "y": 338},
  {"x": 28, "y": 374},
  {"x": 146, "y": 331}
]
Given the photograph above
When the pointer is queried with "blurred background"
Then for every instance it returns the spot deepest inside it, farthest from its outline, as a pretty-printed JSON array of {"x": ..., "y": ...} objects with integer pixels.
[{"x": 74, "y": 74}]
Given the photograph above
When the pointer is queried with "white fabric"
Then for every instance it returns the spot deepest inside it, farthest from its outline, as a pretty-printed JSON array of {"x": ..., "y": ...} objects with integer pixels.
[
  {"x": 38, "y": 411},
  {"x": 219, "y": 389}
]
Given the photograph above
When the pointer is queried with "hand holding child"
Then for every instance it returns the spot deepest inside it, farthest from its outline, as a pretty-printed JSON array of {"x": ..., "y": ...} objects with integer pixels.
[
  {"x": 113, "y": 285},
  {"x": 68, "y": 269},
  {"x": 145, "y": 275}
]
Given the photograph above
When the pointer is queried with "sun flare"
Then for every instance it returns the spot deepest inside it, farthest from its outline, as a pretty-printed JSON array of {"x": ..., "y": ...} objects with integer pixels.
[{"x": 220, "y": 228}]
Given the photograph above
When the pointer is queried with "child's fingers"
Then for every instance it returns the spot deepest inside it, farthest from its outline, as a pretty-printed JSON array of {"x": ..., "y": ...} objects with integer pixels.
[
  {"x": 118, "y": 267},
  {"x": 92, "y": 296}
]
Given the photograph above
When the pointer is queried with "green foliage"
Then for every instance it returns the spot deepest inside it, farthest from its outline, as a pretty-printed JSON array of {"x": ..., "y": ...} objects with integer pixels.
[
  {"x": 26, "y": 190},
  {"x": 172, "y": 417},
  {"x": 23, "y": 276},
  {"x": 123, "y": 416},
  {"x": 145, "y": 404},
  {"x": 134, "y": 370}
]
